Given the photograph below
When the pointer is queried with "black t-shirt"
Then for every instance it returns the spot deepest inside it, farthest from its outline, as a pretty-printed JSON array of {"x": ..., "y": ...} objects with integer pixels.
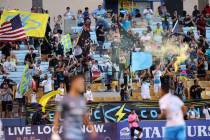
[
  {"x": 196, "y": 13},
  {"x": 100, "y": 35},
  {"x": 37, "y": 118},
  {"x": 195, "y": 91},
  {"x": 188, "y": 23},
  {"x": 53, "y": 62},
  {"x": 30, "y": 57},
  {"x": 6, "y": 50},
  {"x": 174, "y": 20}
]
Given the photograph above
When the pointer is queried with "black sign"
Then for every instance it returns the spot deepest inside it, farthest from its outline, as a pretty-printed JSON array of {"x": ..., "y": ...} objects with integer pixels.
[{"x": 117, "y": 112}]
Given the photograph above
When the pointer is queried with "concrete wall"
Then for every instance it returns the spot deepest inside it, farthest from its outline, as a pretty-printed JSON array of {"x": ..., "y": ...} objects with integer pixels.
[
  {"x": 188, "y": 5},
  {"x": 16, "y": 4},
  {"x": 56, "y": 7}
]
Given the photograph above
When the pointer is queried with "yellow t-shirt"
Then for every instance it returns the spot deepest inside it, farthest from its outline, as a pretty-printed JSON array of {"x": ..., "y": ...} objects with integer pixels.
[{"x": 158, "y": 31}]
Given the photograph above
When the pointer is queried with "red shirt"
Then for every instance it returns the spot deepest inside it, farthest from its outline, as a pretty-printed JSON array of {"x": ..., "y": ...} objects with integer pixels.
[{"x": 201, "y": 24}]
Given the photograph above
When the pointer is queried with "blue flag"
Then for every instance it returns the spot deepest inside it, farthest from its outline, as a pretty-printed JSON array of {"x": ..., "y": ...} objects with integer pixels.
[{"x": 141, "y": 61}]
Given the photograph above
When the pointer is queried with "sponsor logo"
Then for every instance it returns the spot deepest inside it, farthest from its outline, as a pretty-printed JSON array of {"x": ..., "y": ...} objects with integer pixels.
[{"x": 125, "y": 133}]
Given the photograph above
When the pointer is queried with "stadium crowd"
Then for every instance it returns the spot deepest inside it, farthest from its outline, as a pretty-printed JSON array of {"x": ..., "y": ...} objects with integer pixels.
[{"x": 112, "y": 61}]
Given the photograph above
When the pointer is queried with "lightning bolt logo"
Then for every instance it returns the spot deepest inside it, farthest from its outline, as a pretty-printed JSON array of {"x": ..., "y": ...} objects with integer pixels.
[{"x": 120, "y": 113}]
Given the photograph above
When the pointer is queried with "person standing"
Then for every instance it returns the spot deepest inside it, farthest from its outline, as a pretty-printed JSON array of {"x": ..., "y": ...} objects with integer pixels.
[
  {"x": 100, "y": 34},
  {"x": 157, "y": 82},
  {"x": 68, "y": 17},
  {"x": 192, "y": 113},
  {"x": 165, "y": 18},
  {"x": 173, "y": 110},
  {"x": 206, "y": 111},
  {"x": 122, "y": 92},
  {"x": 201, "y": 25},
  {"x": 86, "y": 14},
  {"x": 195, "y": 12},
  {"x": 74, "y": 112},
  {"x": 30, "y": 58},
  {"x": 80, "y": 18},
  {"x": 59, "y": 97},
  {"x": 196, "y": 90},
  {"x": 99, "y": 12},
  {"x": 89, "y": 95},
  {"x": 133, "y": 121},
  {"x": 145, "y": 89},
  {"x": 47, "y": 84},
  {"x": 58, "y": 24},
  {"x": 148, "y": 13},
  {"x": 7, "y": 101}
]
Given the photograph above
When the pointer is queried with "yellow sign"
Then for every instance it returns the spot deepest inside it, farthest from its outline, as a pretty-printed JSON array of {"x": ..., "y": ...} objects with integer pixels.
[
  {"x": 34, "y": 23},
  {"x": 127, "y": 4}
]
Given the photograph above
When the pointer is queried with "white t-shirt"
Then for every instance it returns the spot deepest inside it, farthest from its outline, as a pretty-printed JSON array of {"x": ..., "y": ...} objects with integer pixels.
[
  {"x": 89, "y": 95},
  {"x": 147, "y": 12},
  {"x": 69, "y": 15},
  {"x": 94, "y": 68},
  {"x": 17, "y": 94},
  {"x": 145, "y": 88},
  {"x": 192, "y": 114},
  {"x": 8, "y": 66},
  {"x": 145, "y": 38},
  {"x": 206, "y": 112},
  {"x": 59, "y": 97},
  {"x": 47, "y": 85},
  {"x": 173, "y": 107},
  {"x": 33, "y": 98},
  {"x": 157, "y": 74}
]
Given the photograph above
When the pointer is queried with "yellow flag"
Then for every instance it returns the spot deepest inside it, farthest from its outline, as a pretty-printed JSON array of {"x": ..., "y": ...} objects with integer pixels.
[{"x": 34, "y": 23}]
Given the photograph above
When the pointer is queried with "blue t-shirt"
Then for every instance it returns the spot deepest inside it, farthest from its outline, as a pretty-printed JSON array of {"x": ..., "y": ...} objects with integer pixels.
[{"x": 126, "y": 24}]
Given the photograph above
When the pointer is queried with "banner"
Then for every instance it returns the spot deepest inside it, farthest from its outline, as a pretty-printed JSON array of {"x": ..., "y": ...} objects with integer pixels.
[
  {"x": 141, "y": 61},
  {"x": 118, "y": 112},
  {"x": 34, "y": 23},
  {"x": 153, "y": 130},
  {"x": 103, "y": 131}
]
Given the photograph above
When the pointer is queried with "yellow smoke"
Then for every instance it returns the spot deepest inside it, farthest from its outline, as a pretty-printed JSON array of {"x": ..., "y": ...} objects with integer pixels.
[{"x": 170, "y": 47}]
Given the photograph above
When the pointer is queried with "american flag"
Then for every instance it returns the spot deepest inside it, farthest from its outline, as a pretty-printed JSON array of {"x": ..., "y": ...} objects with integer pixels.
[{"x": 12, "y": 30}]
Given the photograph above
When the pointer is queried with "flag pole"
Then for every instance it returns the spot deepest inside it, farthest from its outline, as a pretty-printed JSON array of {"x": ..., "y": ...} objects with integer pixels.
[
  {"x": 130, "y": 69},
  {"x": 174, "y": 26}
]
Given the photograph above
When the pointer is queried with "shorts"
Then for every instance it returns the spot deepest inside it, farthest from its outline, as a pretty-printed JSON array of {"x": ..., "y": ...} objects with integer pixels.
[
  {"x": 175, "y": 133},
  {"x": 7, "y": 106},
  {"x": 157, "y": 88},
  {"x": 21, "y": 101},
  {"x": 133, "y": 130}
]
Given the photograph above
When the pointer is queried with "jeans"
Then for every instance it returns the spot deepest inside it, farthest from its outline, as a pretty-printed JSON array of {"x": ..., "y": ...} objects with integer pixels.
[
  {"x": 100, "y": 43},
  {"x": 165, "y": 25},
  {"x": 175, "y": 133}
]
